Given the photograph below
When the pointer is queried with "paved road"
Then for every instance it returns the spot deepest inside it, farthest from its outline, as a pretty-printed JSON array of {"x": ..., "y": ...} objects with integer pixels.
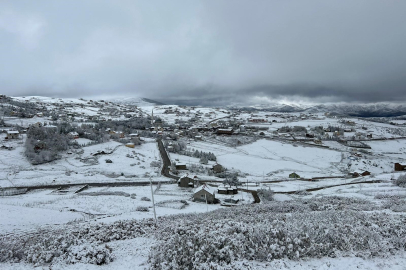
[
  {"x": 331, "y": 186},
  {"x": 97, "y": 184},
  {"x": 166, "y": 161}
]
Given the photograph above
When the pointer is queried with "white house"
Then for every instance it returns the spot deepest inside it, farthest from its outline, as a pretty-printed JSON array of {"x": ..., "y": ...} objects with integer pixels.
[{"x": 13, "y": 134}]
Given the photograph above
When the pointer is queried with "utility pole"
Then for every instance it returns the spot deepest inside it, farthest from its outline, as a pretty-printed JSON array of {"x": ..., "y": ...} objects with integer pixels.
[
  {"x": 207, "y": 206},
  {"x": 153, "y": 202}
]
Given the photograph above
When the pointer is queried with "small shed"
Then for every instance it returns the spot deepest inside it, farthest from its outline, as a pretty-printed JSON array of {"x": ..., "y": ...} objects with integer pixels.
[
  {"x": 399, "y": 167},
  {"x": 186, "y": 181},
  {"x": 12, "y": 134},
  {"x": 231, "y": 200},
  {"x": 204, "y": 193},
  {"x": 130, "y": 145},
  {"x": 181, "y": 166}
]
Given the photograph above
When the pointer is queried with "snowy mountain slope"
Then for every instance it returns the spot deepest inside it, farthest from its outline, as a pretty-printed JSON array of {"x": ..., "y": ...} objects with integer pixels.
[
  {"x": 138, "y": 101},
  {"x": 360, "y": 110},
  {"x": 48, "y": 99}
]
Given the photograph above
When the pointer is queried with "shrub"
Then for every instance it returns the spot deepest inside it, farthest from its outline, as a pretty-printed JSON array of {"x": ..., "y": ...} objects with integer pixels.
[
  {"x": 142, "y": 209},
  {"x": 145, "y": 199},
  {"x": 86, "y": 244},
  {"x": 401, "y": 181},
  {"x": 266, "y": 194},
  {"x": 224, "y": 237}
]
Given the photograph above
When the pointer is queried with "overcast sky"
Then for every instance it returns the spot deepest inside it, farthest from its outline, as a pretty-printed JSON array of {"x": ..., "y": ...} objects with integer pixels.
[{"x": 205, "y": 52}]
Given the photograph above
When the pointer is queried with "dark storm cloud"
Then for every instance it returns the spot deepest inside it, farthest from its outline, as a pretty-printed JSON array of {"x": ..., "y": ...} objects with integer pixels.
[{"x": 205, "y": 52}]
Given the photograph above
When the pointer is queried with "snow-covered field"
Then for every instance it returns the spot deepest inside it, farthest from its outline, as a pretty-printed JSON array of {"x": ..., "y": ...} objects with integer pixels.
[{"x": 266, "y": 158}]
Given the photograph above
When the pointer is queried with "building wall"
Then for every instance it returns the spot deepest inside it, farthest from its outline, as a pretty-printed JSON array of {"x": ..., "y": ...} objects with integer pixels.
[
  {"x": 12, "y": 136},
  {"x": 198, "y": 196},
  {"x": 184, "y": 182}
]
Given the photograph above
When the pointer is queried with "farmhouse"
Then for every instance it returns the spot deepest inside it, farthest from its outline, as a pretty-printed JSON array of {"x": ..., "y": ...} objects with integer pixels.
[
  {"x": 12, "y": 134},
  {"x": 204, "y": 194},
  {"x": 217, "y": 168},
  {"x": 120, "y": 134},
  {"x": 186, "y": 181},
  {"x": 399, "y": 167},
  {"x": 73, "y": 135}
]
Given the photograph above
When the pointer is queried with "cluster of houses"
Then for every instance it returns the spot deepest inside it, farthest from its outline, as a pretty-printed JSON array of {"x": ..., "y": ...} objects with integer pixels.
[{"x": 203, "y": 192}]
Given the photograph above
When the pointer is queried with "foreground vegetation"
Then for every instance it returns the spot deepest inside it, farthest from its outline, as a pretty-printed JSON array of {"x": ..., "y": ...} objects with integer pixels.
[{"x": 221, "y": 239}]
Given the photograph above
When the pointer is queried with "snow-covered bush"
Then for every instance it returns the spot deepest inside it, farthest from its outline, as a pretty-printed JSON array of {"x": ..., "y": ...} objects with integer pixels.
[
  {"x": 265, "y": 194},
  {"x": 401, "y": 181},
  {"x": 86, "y": 243},
  {"x": 145, "y": 199},
  {"x": 224, "y": 238},
  {"x": 155, "y": 164},
  {"x": 89, "y": 254},
  {"x": 266, "y": 232}
]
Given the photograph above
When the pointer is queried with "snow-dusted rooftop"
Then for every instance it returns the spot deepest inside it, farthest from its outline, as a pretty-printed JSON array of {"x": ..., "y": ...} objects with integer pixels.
[{"x": 206, "y": 188}]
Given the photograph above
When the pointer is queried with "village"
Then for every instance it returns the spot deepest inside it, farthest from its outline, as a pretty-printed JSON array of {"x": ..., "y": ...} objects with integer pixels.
[{"x": 77, "y": 161}]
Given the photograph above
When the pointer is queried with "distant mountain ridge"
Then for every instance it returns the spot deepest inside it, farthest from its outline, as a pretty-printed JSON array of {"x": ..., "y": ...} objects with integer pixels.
[
  {"x": 358, "y": 110},
  {"x": 137, "y": 101}
]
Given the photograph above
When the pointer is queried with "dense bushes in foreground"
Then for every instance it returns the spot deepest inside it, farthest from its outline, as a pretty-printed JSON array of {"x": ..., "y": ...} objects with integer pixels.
[
  {"x": 86, "y": 244},
  {"x": 224, "y": 239},
  {"x": 325, "y": 227}
]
